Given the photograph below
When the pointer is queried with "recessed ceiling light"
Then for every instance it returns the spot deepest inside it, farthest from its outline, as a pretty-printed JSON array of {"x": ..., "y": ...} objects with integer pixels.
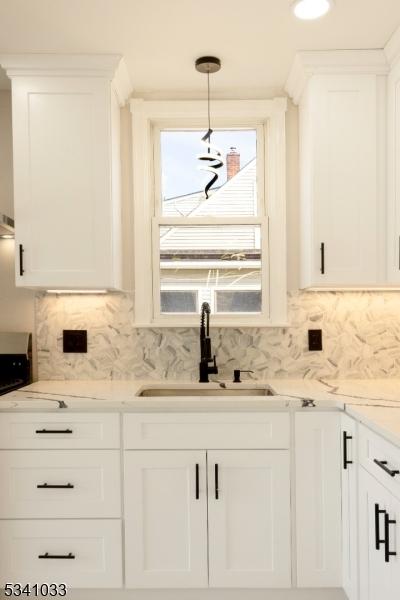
[{"x": 311, "y": 9}]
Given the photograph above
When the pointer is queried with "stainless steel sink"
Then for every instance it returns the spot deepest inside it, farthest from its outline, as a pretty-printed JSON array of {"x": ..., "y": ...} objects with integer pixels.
[{"x": 190, "y": 392}]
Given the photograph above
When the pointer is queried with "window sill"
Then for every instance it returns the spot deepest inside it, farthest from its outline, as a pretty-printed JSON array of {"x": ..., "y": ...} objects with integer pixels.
[{"x": 215, "y": 323}]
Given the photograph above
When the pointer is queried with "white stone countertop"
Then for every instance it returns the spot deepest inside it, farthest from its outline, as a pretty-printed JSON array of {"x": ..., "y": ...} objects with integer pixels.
[{"x": 374, "y": 402}]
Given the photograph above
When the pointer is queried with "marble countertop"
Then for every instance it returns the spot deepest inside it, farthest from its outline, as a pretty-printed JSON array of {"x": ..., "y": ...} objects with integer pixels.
[{"x": 374, "y": 402}]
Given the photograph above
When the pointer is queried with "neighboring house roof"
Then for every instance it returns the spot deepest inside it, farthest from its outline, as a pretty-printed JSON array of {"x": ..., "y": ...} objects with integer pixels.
[{"x": 236, "y": 198}]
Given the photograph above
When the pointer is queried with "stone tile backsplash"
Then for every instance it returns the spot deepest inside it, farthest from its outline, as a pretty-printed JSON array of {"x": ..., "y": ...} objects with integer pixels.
[{"x": 361, "y": 338}]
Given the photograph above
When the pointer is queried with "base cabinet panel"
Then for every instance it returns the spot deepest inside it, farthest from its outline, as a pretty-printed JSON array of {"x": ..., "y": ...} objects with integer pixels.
[
  {"x": 318, "y": 502},
  {"x": 249, "y": 518},
  {"x": 349, "y": 507},
  {"x": 81, "y": 554},
  {"x": 166, "y": 519}
]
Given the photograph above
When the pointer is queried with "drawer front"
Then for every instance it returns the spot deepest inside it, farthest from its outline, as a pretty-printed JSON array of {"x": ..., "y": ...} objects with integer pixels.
[
  {"x": 206, "y": 430},
  {"x": 90, "y": 484},
  {"x": 380, "y": 458},
  {"x": 89, "y": 553},
  {"x": 59, "y": 430}
]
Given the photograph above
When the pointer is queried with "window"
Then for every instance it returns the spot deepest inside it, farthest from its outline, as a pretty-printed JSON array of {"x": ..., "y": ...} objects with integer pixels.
[{"x": 228, "y": 248}]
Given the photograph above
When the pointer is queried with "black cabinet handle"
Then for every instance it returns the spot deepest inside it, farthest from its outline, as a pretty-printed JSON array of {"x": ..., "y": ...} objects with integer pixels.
[
  {"x": 388, "y": 553},
  {"x": 197, "y": 482},
  {"x": 21, "y": 260},
  {"x": 346, "y": 461},
  {"x": 378, "y": 540},
  {"x": 322, "y": 258},
  {"x": 53, "y": 431},
  {"x": 68, "y": 556},
  {"x": 382, "y": 464},
  {"x": 216, "y": 474},
  {"x": 50, "y": 486}
]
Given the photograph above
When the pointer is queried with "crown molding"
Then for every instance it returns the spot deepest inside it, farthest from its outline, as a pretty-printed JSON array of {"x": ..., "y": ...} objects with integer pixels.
[
  {"x": 392, "y": 48},
  {"x": 328, "y": 62},
  {"x": 106, "y": 66}
]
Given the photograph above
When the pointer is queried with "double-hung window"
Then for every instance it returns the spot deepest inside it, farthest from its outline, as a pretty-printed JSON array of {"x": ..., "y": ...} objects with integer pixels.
[{"x": 225, "y": 246}]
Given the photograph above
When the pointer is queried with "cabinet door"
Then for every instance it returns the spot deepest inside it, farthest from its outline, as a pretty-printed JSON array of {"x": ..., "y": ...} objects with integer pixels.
[
  {"x": 318, "y": 499},
  {"x": 379, "y": 535},
  {"x": 249, "y": 518},
  {"x": 349, "y": 507},
  {"x": 64, "y": 214},
  {"x": 166, "y": 519},
  {"x": 343, "y": 180}
]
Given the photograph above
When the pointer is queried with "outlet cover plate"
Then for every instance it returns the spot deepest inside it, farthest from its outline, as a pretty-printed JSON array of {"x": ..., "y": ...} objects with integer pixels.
[
  {"x": 315, "y": 340},
  {"x": 75, "y": 340}
]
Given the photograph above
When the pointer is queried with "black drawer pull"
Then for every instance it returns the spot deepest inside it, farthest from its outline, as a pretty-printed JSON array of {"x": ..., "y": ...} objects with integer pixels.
[
  {"x": 51, "y": 486},
  {"x": 21, "y": 260},
  {"x": 216, "y": 475},
  {"x": 197, "y": 482},
  {"x": 322, "y": 258},
  {"x": 68, "y": 556},
  {"x": 53, "y": 431},
  {"x": 388, "y": 553},
  {"x": 382, "y": 464},
  {"x": 346, "y": 461},
  {"x": 378, "y": 540}
]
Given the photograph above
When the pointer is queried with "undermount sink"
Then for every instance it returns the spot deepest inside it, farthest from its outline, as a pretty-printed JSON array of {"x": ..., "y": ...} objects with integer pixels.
[{"x": 190, "y": 392}]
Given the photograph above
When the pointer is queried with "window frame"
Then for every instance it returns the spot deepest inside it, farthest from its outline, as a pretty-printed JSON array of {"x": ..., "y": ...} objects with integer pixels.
[{"x": 149, "y": 117}]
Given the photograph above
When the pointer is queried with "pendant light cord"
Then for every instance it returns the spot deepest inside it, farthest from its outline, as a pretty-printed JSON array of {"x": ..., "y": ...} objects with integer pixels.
[{"x": 208, "y": 107}]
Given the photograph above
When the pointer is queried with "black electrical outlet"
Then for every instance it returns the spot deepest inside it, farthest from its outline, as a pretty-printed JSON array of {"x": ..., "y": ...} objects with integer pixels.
[
  {"x": 75, "y": 340},
  {"x": 315, "y": 339}
]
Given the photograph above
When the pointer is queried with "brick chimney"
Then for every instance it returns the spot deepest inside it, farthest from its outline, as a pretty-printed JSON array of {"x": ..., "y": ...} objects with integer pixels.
[{"x": 232, "y": 163}]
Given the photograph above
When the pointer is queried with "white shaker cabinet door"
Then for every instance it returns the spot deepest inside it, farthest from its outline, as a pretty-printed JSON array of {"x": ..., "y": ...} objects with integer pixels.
[
  {"x": 66, "y": 203},
  {"x": 166, "y": 519},
  {"x": 342, "y": 132},
  {"x": 349, "y": 469},
  {"x": 379, "y": 541},
  {"x": 318, "y": 499},
  {"x": 249, "y": 518}
]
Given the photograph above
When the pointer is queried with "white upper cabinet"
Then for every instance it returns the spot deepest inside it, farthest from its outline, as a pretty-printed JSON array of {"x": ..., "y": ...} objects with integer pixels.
[
  {"x": 67, "y": 169},
  {"x": 342, "y": 112}
]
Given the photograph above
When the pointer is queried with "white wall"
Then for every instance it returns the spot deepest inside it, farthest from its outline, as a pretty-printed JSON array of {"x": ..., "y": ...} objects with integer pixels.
[
  {"x": 16, "y": 305},
  {"x": 6, "y": 173}
]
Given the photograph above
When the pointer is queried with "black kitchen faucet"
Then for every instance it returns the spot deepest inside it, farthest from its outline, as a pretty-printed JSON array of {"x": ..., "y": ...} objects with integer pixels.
[{"x": 205, "y": 346}]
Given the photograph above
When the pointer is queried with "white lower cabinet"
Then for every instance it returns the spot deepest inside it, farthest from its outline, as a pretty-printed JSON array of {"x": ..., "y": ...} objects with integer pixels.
[
  {"x": 318, "y": 499},
  {"x": 248, "y": 519},
  {"x": 379, "y": 515},
  {"x": 81, "y": 554},
  {"x": 349, "y": 506},
  {"x": 165, "y": 519}
]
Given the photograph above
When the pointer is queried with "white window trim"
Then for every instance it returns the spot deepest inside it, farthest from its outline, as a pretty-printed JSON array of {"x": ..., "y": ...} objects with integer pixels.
[{"x": 150, "y": 114}]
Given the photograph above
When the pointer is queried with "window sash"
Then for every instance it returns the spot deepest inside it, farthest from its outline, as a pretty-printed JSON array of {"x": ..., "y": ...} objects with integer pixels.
[
  {"x": 261, "y": 189},
  {"x": 263, "y": 223}
]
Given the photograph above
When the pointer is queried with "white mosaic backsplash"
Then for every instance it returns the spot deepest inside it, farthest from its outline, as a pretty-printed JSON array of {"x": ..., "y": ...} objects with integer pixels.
[{"x": 361, "y": 337}]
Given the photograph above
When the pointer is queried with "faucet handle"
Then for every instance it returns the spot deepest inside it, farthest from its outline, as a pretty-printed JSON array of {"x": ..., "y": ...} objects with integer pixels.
[{"x": 236, "y": 375}]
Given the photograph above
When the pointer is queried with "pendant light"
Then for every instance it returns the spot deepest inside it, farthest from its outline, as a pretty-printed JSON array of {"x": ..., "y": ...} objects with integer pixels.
[{"x": 213, "y": 156}]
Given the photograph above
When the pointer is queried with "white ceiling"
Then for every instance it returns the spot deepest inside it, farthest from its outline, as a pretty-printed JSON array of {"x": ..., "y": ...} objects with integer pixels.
[{"x": 160, "y": 39}]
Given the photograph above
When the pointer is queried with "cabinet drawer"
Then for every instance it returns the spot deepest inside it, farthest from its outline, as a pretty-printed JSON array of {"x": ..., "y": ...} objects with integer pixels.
[
  {"x": 380, "y": 458},
  {"x": 95, "y": 546},
  {"x": 59, "y": 430},
  {"x": 90, "y": 483},
  {"x": 206, "y": 430}
]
